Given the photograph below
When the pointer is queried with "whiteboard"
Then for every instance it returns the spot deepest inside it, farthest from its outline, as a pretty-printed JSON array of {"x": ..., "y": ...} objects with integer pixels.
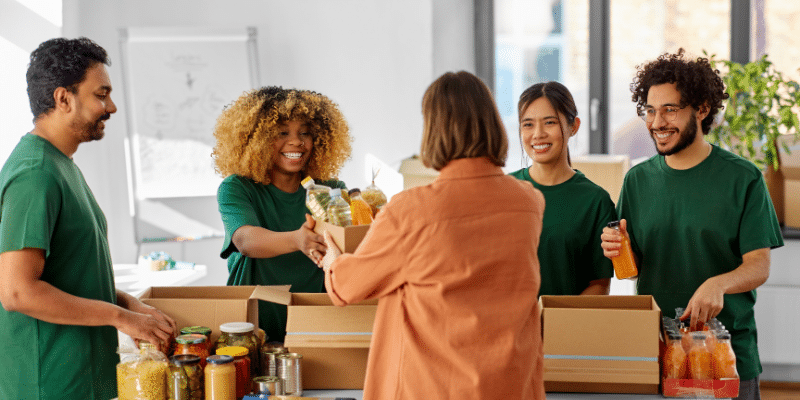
[{"x": 177, "y": 81}]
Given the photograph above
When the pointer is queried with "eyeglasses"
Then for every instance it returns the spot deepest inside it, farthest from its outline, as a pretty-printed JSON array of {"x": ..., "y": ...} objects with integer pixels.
[{"x": 668, "y": 113}]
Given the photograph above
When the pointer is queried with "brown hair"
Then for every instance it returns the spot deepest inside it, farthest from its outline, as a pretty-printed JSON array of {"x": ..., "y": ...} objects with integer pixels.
[
  {"x": 461, "y": 121},
  {"x": 698, "y": 83},
  {"x": 247, "y": 128}
]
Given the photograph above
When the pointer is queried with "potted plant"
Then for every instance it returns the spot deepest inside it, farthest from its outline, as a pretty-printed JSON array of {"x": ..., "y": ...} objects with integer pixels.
[{"x": 763, "y": 107}]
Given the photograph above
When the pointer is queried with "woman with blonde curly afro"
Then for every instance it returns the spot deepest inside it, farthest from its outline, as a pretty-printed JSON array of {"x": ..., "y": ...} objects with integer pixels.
[{"x": 268, "y": 140}]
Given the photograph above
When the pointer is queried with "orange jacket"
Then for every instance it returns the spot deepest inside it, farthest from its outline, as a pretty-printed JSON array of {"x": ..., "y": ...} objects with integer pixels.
[{"x": 455, "y": 270}]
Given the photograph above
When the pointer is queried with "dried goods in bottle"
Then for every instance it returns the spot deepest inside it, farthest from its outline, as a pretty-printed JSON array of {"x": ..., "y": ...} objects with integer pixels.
[
  {"x": 185, "y": 378},
  {"x": 220, "y": 378},
  {"x": 674, "y": 362},
  {"x": 338, "y": 210},
  {"x": 624, "y": 263},
  {"x": 699, "y": 357},
  {"x": 374, "y": 196},
  {"x": 142, "y": 375},
  {"x": 242, "y": 364},
  {"x": 723, "y": 358},
  {"x": 317, "y": 198}
]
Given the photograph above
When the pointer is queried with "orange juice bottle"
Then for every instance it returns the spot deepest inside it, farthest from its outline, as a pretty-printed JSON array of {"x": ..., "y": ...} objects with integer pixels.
[
  {"x": 674, "y": 362},
  {"x": 624, "y": 264},
  {"x": 699, "y": 357},
  {"x": 723, "y": 359}
]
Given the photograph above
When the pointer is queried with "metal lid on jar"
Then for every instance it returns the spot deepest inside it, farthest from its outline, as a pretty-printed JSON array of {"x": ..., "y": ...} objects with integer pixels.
[
  {"x": 237, "y": 327},
  {"x": 233, "y": 351},
  {"x": 219, "y": 359},
  {"x": 201, "y": 330},
  {"x": 191, "y": 338},
  {"x": 147, "y": 346},
  {"x": 184, "y": 359}
]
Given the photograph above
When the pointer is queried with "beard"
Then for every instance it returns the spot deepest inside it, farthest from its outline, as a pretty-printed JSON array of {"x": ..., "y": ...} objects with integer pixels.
[
  {"x": 686, "y": 137},
  {"x": 90, "y": 131}
]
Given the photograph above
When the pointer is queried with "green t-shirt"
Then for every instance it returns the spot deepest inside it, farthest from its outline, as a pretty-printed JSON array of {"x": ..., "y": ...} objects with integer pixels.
[
  {"x": 242, "y": 202},
  {"x": 46, "y": 204},
  {"x": 575, "y": 213},
  {"x": 689, "y": 225}
]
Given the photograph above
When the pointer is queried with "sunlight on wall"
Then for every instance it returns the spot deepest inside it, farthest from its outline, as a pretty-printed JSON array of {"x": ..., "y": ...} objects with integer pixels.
[
  {"x": 50, "y": 10},
  {"x": 14, "y": 98}
]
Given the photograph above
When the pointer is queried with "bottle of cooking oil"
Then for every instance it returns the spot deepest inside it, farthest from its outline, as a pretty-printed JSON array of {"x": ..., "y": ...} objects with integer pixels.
[
  {"x": 317, "y": 198},
  {"x": 338, "y": 209}
]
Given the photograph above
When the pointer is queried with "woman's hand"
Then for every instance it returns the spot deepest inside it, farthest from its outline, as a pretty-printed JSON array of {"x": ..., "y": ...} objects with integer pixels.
[
  {"x": 310, "y": 243},
  {"x": 331, "y": 254}
]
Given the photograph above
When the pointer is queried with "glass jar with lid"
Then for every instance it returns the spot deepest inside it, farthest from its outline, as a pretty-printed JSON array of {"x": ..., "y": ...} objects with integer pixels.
[
  {"x": 199, "y": 330},
  {"x": 184, "y": 378},
  {"x": 220, "y": 375},
  {"x": 192, "y": 344},
  {"x": 241, "y": 334},
  {"x": 242, "y": 364}
]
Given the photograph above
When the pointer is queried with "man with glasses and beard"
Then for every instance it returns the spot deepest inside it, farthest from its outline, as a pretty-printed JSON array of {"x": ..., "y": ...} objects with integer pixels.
[
  {"x": 60, "y": 310},
  {"x": 700, "y": 220}
]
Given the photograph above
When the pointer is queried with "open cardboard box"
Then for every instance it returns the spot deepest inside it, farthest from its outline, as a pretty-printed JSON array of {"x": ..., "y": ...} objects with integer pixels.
[
  {"x": 210, "y": 306},
  {"x": 334, "y": 341},
  {"x": 601, "y": 344},
  {"x": 347, "y": 238}
]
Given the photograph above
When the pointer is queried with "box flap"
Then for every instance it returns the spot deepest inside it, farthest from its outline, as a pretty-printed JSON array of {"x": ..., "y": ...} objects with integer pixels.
[
  {"x": 349, "y": 341},
  {"x": 272, "y": 294},
  {"x": 641, "y": 302}
]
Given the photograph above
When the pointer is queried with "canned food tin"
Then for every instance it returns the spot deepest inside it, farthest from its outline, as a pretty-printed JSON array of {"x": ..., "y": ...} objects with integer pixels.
[
  {"x": 269, "y": 385},
  {"x": 291, "y": 372},
  {"x": 269, "y": 362}
]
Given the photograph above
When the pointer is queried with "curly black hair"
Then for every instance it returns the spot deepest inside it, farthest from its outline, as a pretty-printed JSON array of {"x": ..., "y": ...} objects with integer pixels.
[
  {"x": 698, "y": 83},
  {"x": 59, "y": 63}
]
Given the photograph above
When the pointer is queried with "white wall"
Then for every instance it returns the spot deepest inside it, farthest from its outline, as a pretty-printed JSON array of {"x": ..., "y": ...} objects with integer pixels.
[{"x": 374, "y": 58}]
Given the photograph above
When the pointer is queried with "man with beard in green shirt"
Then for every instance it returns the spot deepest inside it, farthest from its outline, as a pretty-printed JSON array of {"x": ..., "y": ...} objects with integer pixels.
[
  {"x": 700, "y": 220},
  {"x": 60, "y": 310}
]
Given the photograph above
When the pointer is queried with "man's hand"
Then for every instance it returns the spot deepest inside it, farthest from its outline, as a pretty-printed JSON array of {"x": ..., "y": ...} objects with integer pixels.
[
  {"x": 706, "y": 303},
  {"x": 147, "y": 327},
  {"x": 611, "y": 239}
]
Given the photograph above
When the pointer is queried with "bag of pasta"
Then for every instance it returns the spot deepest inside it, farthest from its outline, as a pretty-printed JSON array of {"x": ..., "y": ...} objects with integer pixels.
[
  {"x": 141, "y": 374},
  {"x": 374, "y": 196}
]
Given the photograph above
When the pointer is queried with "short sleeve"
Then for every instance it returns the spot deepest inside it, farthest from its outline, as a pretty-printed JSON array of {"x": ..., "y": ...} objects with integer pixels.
[
  {"x": 31, "y": 202},
  {"x": 606, "y": 213},
  {"x": 759, "y": 228},
  {"x": 236, "y": 210}
]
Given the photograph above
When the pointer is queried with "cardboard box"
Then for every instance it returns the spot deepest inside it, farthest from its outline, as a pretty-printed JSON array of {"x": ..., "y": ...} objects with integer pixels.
[
  {"x": 790, "y": 168},
  {"x": 334, "y": 341},
  {"x": 347, "y": 238},
  {"x": 210, "y": 306},
  {"x": 601, "y": 344},
  {"x": 415, "y": 173},
  {"x": 606, "y": 170}
]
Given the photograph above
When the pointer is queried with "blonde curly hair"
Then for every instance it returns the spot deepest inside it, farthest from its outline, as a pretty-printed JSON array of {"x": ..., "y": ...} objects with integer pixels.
[{"x": 247, "y": 129}]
